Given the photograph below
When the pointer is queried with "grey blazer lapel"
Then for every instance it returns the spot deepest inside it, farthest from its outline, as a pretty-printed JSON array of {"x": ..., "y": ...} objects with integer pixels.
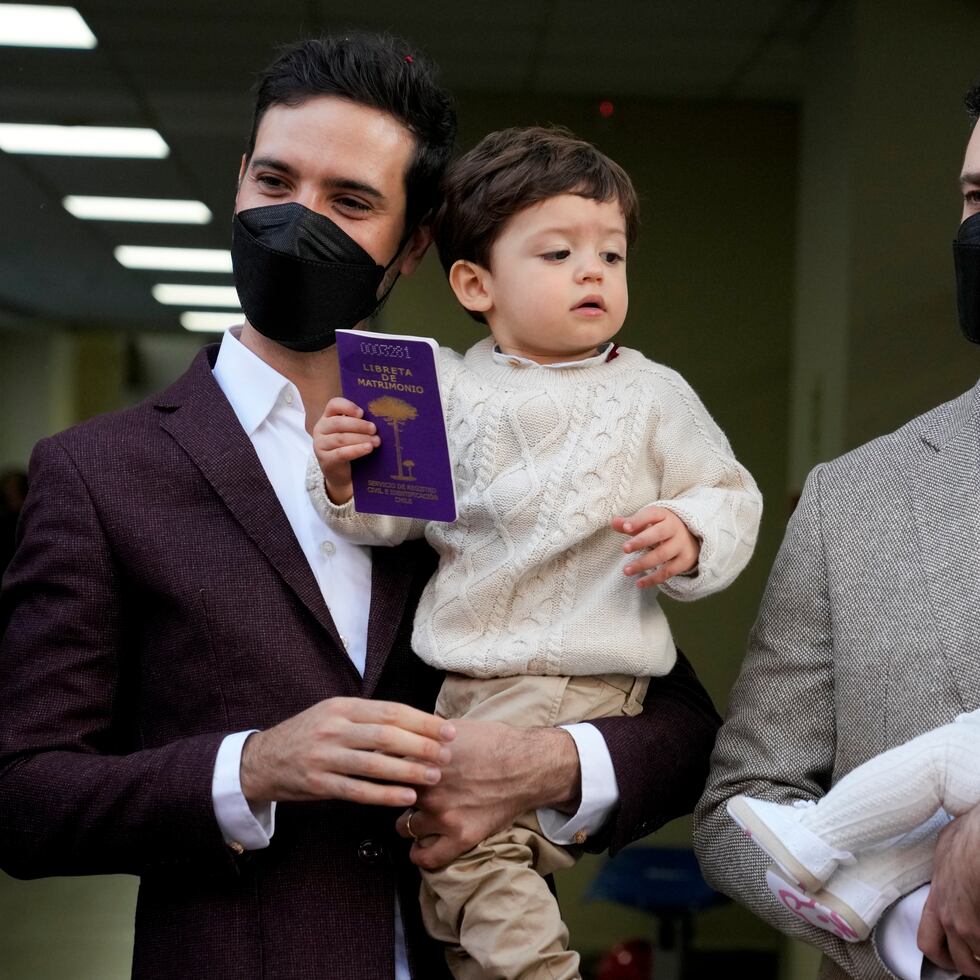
[
  {"x": 946, "y": 496},
  {"x": 197, "y": 415}
]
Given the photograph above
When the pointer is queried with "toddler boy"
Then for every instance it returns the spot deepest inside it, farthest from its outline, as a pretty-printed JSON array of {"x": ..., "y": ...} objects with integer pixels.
[{"x": 556, "y": 433}]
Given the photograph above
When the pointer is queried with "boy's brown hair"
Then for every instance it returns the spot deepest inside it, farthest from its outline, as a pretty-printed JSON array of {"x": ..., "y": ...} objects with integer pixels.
[{"x": 512, "y": 169}]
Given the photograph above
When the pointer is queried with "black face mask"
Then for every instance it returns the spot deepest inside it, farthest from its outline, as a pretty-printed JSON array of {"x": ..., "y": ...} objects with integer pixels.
[
  {"x": 300, "y": 277},
  {"x": 966, "y": 257}
]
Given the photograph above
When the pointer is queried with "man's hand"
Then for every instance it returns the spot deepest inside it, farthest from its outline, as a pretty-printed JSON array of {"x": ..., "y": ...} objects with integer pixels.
[
  {"x": 347, "y": 749},
  {"x": 497, "y": 772},
  {"x": 670, "y": 548},
  {"x": 949, "y": 932},
  {"x": 340, "y": 435}
]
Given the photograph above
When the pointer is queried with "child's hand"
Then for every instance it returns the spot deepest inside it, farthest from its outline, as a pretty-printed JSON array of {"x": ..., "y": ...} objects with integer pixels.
[
  {"x": 339, "y": 436},
  {"x": 670, "y": 548}
]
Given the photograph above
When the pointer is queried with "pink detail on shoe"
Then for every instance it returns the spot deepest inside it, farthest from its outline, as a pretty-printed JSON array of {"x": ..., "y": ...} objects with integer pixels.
[
  {"x": 797, "y": 902},
  {"x": 842, "y": 928},
  {"x": 819, "y": 915}
]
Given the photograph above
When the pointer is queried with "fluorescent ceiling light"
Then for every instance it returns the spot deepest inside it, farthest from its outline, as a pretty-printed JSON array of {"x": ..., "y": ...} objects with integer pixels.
[
  {"x": 138, "y": 209},
  {"x": 200, "y": 322},
  {"x": 175, "y": 259},
  {"x": 179, "y": 294},
  {"x": 30, "y": 26},
  {"x": 82, "y": 141}
]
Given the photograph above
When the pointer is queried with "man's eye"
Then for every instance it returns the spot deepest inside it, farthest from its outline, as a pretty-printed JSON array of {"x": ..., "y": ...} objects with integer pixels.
[
  {"x": 352, "y": 204},
  {"x": 611, "y": 258},
  {"x": 972, "y": 197},
  {"x": 270, "y": 182},
  {"x": 557, "y": 255}
]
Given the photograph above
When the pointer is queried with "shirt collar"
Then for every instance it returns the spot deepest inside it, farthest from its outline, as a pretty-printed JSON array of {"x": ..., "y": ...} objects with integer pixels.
[
  {"x": 603, "y": 354},
  {"x": 251, "y": 386}
]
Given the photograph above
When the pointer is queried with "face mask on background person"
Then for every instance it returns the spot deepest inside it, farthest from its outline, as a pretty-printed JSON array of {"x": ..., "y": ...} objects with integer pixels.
[
  {"x": 300, "y": 277},
  {"x": 966, "y": 256}
]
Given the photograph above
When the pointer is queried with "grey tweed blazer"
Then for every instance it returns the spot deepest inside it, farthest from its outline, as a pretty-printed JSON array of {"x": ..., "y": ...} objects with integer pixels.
[{"x": 868, "y": 634}]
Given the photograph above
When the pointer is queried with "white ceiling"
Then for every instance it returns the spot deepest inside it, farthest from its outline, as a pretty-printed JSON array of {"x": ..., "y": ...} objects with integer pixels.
[{"x": 184, "y": 67}]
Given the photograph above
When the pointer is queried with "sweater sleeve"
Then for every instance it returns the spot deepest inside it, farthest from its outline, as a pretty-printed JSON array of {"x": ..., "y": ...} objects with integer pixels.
[
  {"x": 706, "y": 487},
  {"x": 370, "y": 529}
]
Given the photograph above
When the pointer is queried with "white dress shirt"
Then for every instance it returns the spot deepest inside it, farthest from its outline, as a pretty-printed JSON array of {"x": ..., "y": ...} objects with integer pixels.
[
  {"x": 897, "y": 943},
  {"x": 271, "y": 412}
]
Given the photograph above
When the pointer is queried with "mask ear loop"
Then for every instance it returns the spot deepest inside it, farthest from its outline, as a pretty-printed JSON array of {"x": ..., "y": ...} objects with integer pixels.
[{"x": 405, "y": 239}]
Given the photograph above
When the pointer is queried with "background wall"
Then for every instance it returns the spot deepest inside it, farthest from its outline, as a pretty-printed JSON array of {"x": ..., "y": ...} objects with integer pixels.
[{"x": 882, "y": 139}]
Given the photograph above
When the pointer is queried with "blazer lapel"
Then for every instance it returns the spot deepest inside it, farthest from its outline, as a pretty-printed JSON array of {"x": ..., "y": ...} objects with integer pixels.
[
  {"x": 197, "y": 415},
  {"x": 945, "y": 494},
  {"x": 392, "y": 573}
]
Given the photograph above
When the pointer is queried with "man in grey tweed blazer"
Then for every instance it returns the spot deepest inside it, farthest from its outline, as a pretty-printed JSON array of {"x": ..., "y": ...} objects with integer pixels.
[{"x": 867, "y": 636}]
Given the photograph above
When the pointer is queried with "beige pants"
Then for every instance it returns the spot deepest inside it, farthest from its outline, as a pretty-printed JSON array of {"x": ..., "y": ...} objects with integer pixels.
[{"x": 492, "y": 906}]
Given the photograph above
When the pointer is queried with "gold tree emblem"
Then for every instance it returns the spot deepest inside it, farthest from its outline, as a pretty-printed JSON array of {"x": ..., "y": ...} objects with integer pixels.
[{"x": 396, "y": 413}]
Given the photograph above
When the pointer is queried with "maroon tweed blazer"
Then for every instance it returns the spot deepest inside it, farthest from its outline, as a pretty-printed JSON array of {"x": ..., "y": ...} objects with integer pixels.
[{"x": 158, "y": 601}]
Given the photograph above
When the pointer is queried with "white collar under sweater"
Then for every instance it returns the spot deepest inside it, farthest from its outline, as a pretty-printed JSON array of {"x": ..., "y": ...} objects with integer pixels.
[
  {"x": 602, "y": 354},
  {"x": 496, "y": 368}
]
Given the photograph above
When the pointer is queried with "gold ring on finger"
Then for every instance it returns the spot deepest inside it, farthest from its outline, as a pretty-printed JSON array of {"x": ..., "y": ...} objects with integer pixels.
[{"x": 408, "y": 824}]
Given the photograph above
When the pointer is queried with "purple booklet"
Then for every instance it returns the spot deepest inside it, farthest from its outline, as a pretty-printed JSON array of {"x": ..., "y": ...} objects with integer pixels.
[{"x": 395, "y": 380}]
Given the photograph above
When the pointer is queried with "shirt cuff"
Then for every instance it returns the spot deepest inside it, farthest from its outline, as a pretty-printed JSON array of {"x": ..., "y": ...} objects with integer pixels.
[
  {"x": 600, "y": 792},
  {"x": 242, "y": 826},
  {"x": 896, "y": 936}
]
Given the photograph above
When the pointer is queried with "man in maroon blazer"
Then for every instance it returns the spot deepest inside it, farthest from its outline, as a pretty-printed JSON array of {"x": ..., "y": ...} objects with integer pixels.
[{"x": 200, "y": 686}]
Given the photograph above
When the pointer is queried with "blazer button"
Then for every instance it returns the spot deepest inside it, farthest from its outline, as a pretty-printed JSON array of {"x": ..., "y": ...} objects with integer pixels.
[{"x": 370, "y": 851}]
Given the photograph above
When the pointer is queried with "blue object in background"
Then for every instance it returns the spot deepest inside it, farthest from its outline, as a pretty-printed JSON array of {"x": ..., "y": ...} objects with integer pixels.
[{"x": 665, "y": 882}]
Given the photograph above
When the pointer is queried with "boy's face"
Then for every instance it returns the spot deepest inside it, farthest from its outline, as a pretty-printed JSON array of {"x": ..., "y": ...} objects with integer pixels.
[{"x": 556, "y": 288}]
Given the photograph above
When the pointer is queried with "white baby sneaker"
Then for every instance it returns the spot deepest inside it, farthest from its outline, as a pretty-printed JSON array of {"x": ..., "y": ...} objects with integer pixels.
[{"x": 775, "y": 827}]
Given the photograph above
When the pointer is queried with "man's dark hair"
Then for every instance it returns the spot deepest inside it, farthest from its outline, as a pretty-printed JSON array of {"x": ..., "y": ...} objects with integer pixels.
[
  {"x": 971, "y": 101},
  {"x": 379, "y": 71},
  {"x": 509, "y": 171}
]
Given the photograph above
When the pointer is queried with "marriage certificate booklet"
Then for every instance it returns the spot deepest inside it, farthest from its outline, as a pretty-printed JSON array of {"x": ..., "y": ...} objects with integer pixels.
[{"x": 395, "y": 380}]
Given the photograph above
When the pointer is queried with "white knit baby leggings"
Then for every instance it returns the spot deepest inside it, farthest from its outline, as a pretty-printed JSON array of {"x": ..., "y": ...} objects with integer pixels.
[{"x": 896, "y": 795}]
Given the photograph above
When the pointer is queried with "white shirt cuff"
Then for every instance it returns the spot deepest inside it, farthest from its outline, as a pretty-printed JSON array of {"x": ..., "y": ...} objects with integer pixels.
[
  {"x": 896, "y": 939},
  {"x": 238, "y": 821},
  {"x": 600, "y": 792}
]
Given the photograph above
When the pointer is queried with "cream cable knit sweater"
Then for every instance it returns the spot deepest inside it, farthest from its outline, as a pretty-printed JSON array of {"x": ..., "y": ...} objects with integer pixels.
[{"x": 530, "y": 578}]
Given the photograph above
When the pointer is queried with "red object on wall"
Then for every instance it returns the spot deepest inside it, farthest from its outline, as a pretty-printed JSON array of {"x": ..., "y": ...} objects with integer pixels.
[{"x": 629, "y": 960}]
